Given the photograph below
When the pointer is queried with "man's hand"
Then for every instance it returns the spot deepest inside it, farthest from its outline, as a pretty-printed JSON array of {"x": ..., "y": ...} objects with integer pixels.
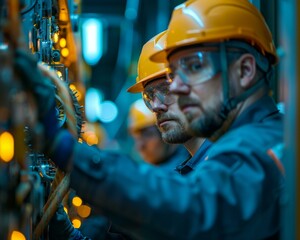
[{"x": 60, "y": 227}]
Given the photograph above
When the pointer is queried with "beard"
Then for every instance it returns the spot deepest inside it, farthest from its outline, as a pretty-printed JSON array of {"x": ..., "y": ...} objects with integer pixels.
[
  {"x": 204, "y": 122},
  {"x": 175, "y": 136},
  {"x": 175, "y": 133},
  {"x": 206, "y": 125},
  {"x": 209, "y": 124}
]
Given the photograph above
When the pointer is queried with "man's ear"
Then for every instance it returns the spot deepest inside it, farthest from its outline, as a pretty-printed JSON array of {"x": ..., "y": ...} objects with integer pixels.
[{"x": 247, "y": 70}]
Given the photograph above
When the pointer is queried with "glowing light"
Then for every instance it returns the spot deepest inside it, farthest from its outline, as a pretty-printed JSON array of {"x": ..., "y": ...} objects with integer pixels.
[
  {"x": 62, "y": 42},
  {"x": 76, "y": 223},
  {"x": 16, "y": 235},
  {"x": 59, "y": 74},
  {"x": 84, "y": 211},
  {"x": 109, "y": 111},
  {"x": 93, "y": 100},
  {"x": 66, "y": 210},
  {"x": 3, "y": 46},
  {"x": 63, "y": 16},
  {"x": 92, "y": 40},
  {"x": 281, "y": 107},
  {"x": 55, "y": 37},
  {"x": 76, "y": 201},
  {"x": 74, "y": 89},
  {"x": 91, "y": 138},
  {"x": 65, "y": 52},
  {"x": 6, "y": 146}
]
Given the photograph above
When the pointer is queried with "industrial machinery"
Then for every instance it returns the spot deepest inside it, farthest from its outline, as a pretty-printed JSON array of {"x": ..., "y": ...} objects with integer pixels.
[{"x": 31, "y": 186}]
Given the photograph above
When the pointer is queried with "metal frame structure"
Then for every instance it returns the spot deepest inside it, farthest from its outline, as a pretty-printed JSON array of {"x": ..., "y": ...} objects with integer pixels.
[{"x": 289, "y": 31}]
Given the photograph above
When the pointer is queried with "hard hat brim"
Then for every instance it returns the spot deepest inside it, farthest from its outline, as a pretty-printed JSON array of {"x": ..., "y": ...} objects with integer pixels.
[{"x": 139, "y": 86}]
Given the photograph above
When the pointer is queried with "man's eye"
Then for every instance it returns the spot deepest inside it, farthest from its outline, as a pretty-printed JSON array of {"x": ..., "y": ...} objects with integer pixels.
[{"x": 193, "y": 66}]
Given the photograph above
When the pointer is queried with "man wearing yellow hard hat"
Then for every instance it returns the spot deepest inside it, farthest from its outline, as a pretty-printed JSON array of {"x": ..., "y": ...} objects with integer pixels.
[
  {"x": 221, "y": 57},
  {"x": 220, "y": 54}
]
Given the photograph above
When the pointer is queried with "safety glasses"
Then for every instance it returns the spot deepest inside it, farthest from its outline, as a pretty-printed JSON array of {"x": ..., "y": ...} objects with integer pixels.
[
  {"x": 201, "y": 66},
  {"x": 157, "y": 92},
  {"x": 195, "y": 68}
]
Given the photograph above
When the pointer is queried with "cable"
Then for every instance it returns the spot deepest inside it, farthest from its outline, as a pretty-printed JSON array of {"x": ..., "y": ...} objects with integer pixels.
[{"x": 27, "y": 10}]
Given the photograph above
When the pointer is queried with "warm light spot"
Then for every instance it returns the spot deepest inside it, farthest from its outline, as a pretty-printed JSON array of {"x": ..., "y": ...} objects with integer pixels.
[
  {"x": 63, "y": 16},
  {"x": 65, "y": 52},
  {"x": 78, "y": 94},
  {"x": 76, "y": 223},
  {"x": 55, "y": 37},
  {"x": 16, "y": 235},
  {"x": 59, "y": 74},
  {"x": 77, "y": 201},
  {"x": 84, "y": 211},
  {"x": 72, "y": 87},
  {"x": 66, "y": 210},
  {"x": 6, "y": 146},
  {"x": 91, "y": 138},
  {"x": 62, "y": 42}
]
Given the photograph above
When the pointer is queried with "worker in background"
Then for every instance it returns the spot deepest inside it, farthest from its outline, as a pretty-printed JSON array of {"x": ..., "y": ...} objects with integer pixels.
[
  {"x": 235, "y": 192},
  {"x": 148, "y": 141}
]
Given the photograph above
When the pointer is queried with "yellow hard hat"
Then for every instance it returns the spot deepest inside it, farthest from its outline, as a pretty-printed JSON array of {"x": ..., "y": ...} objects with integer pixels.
[
  {"x": 140, "y": 116},
  {"x": 148, "y": 70},
  {"x": 202, "y": 21}
]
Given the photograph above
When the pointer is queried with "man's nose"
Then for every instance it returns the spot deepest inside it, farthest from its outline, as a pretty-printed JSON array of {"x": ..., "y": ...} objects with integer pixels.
[
  {"x": 178, "y": 86},
  {"x": 158, "y": 106}
]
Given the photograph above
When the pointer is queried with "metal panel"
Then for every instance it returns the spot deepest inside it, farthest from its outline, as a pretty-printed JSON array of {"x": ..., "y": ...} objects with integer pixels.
[{"x": 289, "y": 42}]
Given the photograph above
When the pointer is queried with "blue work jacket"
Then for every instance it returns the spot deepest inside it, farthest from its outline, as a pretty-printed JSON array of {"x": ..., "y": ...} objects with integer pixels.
[
  {"x": 179, "y": 155},
  {"x": 233, "y": 194},
  {"x": 98, "y": 227},
  {"x": 191, "y": 163}
]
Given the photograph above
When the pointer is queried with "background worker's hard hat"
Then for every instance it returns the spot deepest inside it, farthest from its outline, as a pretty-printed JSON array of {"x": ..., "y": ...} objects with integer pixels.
[
  {"x": 148, "y": 70},
  {"x": 140, "y": 116},
  {"x": 201, "y": 21}
]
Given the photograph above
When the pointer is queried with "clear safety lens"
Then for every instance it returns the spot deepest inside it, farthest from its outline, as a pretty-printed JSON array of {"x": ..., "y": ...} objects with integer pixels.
[
  {"x": 195, "y": 68},
  {"x": 157, "y": 91}
]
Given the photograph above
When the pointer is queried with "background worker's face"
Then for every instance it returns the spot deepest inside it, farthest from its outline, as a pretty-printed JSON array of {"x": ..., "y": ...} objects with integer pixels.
[
  {"x": 150, "y": 145},
  {"x": 201, "y": 101}
]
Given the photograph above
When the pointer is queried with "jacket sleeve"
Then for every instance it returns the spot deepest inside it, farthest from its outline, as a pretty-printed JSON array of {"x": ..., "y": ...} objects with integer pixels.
[{"x": 234, "y": 189}]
